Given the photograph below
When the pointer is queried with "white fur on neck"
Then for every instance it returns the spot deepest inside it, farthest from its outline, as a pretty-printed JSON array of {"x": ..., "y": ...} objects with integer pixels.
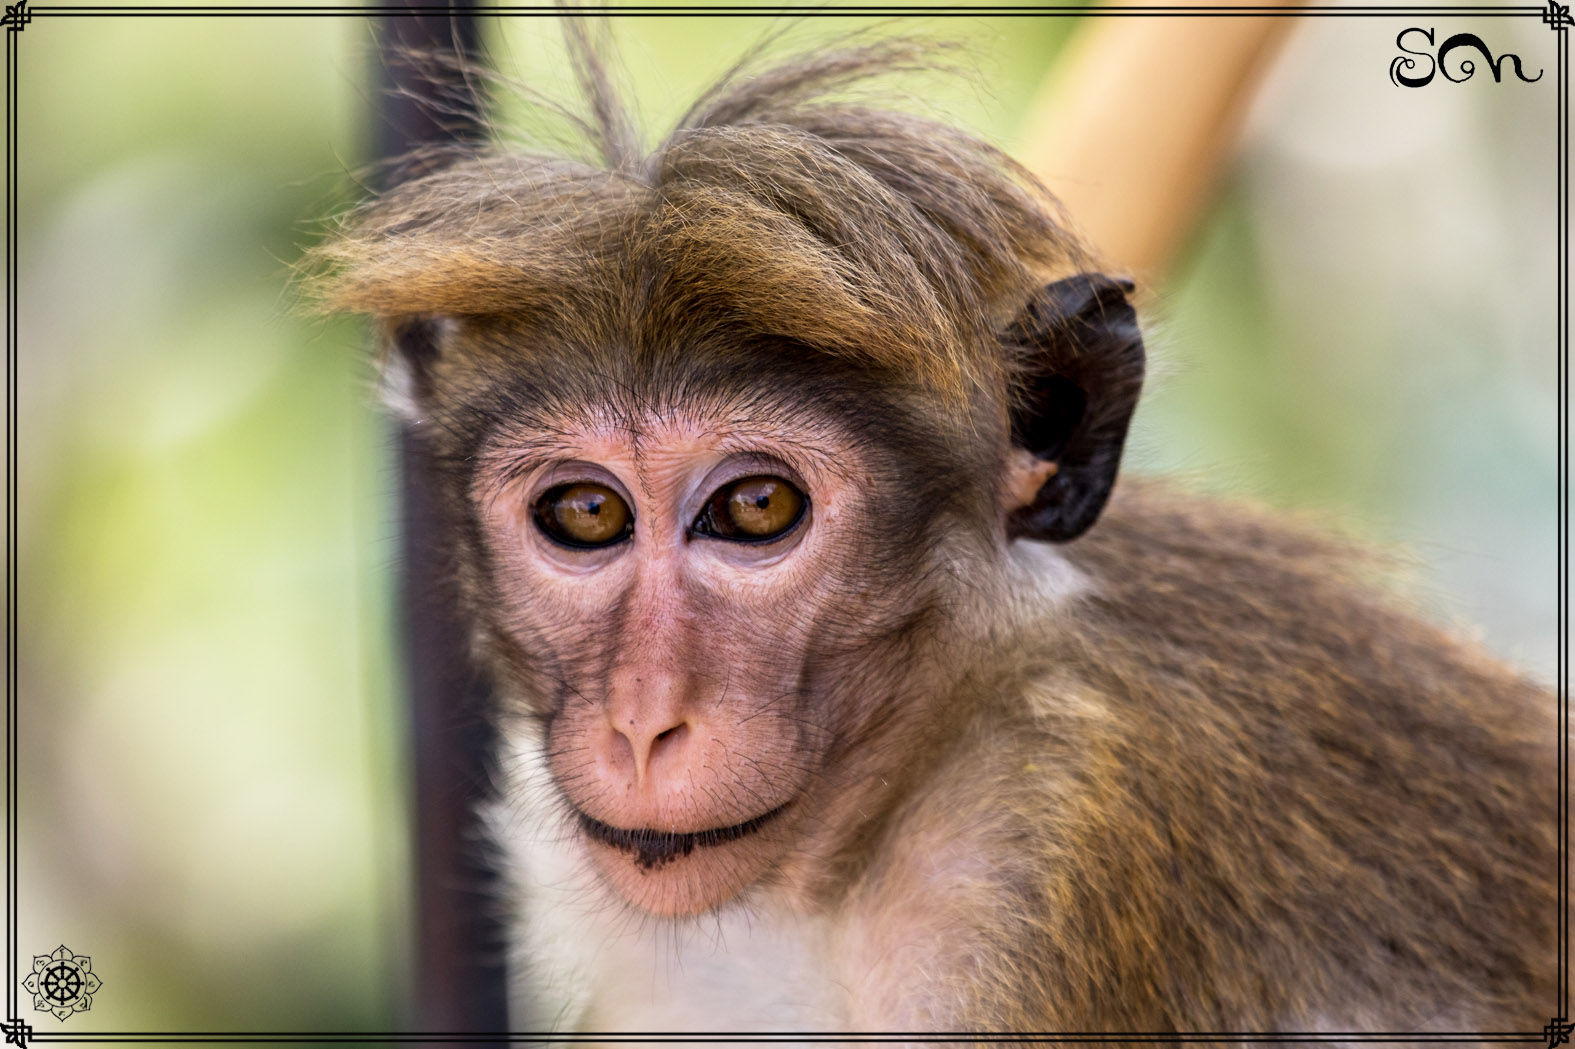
[
  {"x": 583, "y": 960},
  {"x": 1040, "y": 577}
]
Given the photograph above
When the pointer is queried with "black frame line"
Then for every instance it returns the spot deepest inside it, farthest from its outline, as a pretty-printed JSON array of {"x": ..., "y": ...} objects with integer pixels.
[
  {"x": 18, "y": 1031},
  {"x": 850, "y": 10},
  {"x": 715, "y": 1037}
]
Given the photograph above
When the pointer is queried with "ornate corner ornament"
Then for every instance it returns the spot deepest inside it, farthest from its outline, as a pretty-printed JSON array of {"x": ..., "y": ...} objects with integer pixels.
[
  {"x": 62, "y": 983},
  {"x": 1557, "y": 16},
  {"x": 17, "y": 15},
  {"x": 17, "y": 1032}
]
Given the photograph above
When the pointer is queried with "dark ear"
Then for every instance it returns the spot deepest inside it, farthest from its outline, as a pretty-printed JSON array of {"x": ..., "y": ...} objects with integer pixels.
[
  {"x": 411, "y": 346},
  {"x": 1083, "y": 355}
]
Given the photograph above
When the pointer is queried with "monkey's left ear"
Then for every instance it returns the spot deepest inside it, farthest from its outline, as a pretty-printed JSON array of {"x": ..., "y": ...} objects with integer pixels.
[{"x": 1083, "y": 352}]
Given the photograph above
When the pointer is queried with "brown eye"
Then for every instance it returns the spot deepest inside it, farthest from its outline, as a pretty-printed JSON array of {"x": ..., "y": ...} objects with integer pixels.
[
  {"x": 754, "y": 509},
  {"x": 584, "y": 515}
]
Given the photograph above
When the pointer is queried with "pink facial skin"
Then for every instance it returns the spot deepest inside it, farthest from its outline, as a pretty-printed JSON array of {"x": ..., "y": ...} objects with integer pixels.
[
  {"x": 677, "y": 734},
  {"x": 709, "y": 703}
]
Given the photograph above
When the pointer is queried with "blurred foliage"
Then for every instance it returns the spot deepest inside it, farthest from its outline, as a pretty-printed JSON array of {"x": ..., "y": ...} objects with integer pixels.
[
  {"x": 213, "y": 763},
  {"x": 213, "y": 795}
]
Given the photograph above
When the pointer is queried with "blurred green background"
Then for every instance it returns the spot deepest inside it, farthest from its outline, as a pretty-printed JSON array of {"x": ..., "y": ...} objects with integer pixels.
[{"x": 213, "y": 769}]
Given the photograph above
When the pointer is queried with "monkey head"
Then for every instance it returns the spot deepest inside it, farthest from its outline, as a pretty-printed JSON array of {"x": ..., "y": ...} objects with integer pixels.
[{"x": 734, "y": 436}]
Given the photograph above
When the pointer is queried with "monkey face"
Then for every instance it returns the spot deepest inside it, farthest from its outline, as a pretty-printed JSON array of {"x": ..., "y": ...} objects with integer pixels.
[
  {"x": 679, "y": 587},
  {"x": 728, "y": 578}
]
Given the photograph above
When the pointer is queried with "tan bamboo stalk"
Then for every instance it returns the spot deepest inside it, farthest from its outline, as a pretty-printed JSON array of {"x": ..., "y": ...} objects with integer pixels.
[{"x": 1133, "y": 125}]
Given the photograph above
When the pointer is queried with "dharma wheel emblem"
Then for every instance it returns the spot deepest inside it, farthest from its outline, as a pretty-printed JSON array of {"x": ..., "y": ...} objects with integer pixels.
[{"x": 62, "y": 983}]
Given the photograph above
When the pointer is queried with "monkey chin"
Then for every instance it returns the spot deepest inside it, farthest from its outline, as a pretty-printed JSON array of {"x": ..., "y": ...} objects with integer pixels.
[{"x": 673, "y": 875}]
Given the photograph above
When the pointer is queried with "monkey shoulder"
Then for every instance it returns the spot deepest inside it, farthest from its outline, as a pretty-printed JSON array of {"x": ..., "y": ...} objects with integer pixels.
[
  {"x": 1285, "y": 779},
  {"x": 1269, "y": 617}
]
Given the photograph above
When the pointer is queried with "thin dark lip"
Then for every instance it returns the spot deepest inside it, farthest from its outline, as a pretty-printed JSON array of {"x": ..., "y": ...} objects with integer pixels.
[{"x": 660, "y": 843}]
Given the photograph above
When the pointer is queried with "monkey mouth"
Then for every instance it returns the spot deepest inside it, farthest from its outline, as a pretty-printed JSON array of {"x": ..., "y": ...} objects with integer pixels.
[{"x": 653, "y": 848}]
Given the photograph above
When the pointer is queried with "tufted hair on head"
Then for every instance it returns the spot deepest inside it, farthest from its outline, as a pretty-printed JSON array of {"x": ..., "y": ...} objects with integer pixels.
[{"x": 770, "y": 210}]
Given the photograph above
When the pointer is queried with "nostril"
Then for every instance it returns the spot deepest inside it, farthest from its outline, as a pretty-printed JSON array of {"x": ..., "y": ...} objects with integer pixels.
[
  {"x": 621, "y": 749},
  {"x": 669, "y": 738}
]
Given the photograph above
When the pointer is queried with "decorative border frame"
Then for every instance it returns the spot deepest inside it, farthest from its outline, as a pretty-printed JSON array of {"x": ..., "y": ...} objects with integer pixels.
[{"x": 17, "y": 1031}]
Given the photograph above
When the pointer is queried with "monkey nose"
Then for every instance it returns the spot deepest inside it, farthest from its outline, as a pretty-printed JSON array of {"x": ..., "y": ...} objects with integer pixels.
[
  {"x": 649, "y": 712},
  {"x": 641, "y": 743}
]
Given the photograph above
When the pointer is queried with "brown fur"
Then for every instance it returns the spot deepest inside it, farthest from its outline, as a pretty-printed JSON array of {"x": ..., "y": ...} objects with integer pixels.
[
  {"x": 1224, "y": 786},
  {"x": 1274, "y": 800},
  {"x": 895, "y": 240}
]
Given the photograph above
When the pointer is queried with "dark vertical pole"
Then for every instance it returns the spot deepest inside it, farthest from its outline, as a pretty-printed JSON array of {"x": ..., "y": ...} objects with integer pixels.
[{"x": 459, "y": 984}]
